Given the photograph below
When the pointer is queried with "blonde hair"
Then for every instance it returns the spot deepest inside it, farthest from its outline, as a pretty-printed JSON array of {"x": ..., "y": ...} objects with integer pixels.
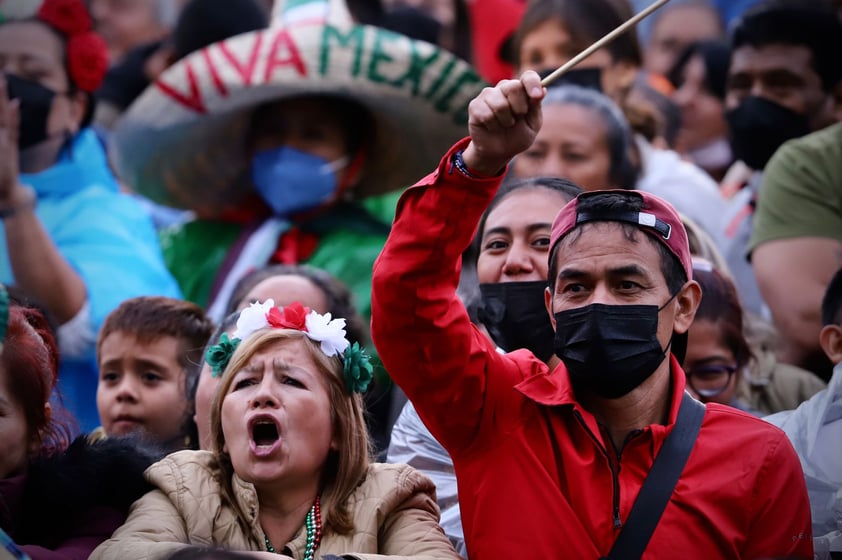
[{"x": 345, "y": 468}]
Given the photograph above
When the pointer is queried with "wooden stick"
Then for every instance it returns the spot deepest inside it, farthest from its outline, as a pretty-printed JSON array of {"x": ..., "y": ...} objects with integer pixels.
[{"x": 601, "y": 43}]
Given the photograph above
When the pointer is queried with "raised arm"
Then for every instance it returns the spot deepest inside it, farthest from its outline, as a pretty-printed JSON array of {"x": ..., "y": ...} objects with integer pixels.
[
  {"x": 421, "y": 329},
  {"x": 39, "y": 268}
]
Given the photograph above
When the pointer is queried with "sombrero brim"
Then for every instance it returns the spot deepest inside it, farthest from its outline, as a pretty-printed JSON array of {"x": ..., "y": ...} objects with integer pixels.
[{"x": 183, "y": 142}]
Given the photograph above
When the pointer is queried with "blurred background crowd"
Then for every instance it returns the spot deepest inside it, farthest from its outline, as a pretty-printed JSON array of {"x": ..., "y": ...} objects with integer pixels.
[{"x": 164, "y": 163}]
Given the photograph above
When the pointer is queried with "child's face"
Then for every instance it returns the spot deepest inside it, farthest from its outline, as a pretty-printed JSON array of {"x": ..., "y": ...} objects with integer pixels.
[{"x": 141, "y": 387}]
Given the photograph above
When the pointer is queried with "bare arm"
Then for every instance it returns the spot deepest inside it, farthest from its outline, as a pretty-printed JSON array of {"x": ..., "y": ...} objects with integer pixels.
[
  {"x": 38, "y": 267},
  {"x": 793, "y": 275}
]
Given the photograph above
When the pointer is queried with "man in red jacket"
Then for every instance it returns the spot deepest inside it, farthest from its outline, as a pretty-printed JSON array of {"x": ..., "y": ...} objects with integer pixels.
[{"x": 550, "y": 463}]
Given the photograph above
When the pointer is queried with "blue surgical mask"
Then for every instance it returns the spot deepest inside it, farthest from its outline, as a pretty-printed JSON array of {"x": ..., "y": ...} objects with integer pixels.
[{"x": 292, "y": 181}]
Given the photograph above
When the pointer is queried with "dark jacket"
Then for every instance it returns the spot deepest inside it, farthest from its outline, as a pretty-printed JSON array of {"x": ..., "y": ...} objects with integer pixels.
[{"x": 65, "y": 505}]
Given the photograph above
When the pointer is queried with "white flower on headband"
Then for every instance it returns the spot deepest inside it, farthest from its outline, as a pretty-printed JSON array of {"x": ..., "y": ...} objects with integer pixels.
[
  {"x": 330, "y": 333},
  {"x": 253, "y": 318}
]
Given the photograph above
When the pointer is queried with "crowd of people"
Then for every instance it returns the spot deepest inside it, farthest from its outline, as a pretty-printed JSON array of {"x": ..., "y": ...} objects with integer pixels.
[{"x": 605, "y": 321}]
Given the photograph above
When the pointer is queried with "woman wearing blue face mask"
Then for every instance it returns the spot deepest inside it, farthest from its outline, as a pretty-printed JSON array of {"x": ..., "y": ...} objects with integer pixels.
[
  {"x": 306, "y": 157},
  {"x": 69, "y": 239},
  {"x": 307, "y": 152},
  {"x": 290, "y": 145}
]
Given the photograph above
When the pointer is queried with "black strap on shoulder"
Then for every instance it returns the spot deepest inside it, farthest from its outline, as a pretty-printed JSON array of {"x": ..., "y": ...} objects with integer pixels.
[{"x": 660, "y": 482}]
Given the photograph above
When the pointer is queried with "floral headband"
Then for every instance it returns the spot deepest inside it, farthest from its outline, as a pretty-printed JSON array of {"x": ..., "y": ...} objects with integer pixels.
[
  {"x": 329, "y": 333},
  {"x": 87, "y": 53}
]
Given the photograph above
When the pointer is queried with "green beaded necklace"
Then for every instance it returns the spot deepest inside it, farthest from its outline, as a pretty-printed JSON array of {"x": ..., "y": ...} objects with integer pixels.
[{"x": 313, "y": 523}]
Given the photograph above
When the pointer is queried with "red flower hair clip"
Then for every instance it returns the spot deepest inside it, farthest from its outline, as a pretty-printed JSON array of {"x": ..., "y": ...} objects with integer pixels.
[
  {"x": 87, "y": 54},
  {"x": 292, "y": 316}
]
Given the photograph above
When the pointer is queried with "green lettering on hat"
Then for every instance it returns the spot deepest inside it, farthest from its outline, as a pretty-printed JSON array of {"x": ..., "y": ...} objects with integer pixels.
[
  {"x": 418, "y": 64},
  {"x": 443, "y": 103},
  {"x": 355, "y": 35},
  {"x": 379, "y": 54},
  {"x": 440, "y": 81}
]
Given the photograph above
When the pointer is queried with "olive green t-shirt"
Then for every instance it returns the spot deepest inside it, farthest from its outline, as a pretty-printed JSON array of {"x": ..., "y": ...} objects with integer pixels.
[{"x": 801, "y": 194}]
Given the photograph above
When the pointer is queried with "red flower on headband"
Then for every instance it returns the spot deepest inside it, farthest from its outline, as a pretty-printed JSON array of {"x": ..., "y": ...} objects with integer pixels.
[
  {"x": 87, "y": 54},
  {"x": 293, "y": 316},
  {"x": 68, "y": 16},
  {"x": 87, "y": 61}
]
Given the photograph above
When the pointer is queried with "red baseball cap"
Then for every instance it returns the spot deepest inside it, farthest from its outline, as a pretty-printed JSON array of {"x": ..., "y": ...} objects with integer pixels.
[{"x": 657, "y": 217}]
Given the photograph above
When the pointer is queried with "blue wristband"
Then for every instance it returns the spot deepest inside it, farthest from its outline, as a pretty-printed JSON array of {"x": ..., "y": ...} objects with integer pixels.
[{"x": 458, "y": 162}]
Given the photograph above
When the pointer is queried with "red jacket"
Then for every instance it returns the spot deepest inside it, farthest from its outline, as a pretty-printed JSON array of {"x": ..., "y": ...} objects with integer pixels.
[{"x": 535, "y": 479}]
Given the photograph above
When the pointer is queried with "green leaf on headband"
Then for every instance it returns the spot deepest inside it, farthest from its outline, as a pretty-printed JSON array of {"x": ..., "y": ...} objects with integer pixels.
[
  {"x": 358, "y": 369},
  {"x": 220, "y": 354}
]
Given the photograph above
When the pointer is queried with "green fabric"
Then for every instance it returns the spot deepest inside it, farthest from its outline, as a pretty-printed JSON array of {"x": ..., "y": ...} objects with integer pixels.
[
  {"x": 350, "y": 240},
  {"x": 193, "y": 252},
  {"x": 801, "y": 194}
]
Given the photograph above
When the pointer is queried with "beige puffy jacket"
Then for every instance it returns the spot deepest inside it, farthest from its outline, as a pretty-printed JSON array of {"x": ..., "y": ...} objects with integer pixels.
[{"x": 394, "y": 508}]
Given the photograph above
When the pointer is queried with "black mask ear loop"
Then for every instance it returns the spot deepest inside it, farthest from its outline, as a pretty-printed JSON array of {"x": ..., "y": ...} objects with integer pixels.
[
  {"x": 666, "y": 303},
  {"x": 669, "y": 344}
]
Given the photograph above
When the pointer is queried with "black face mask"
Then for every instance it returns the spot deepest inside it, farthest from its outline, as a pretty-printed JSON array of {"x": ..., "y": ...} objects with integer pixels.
[
  {"x": 759, "y": 127},
  {"x": 609, "y": 349},
  {"x": 589, "y": 78},
  {"x": 515, "y": 316},
  {"x": 35, "y": 104}
]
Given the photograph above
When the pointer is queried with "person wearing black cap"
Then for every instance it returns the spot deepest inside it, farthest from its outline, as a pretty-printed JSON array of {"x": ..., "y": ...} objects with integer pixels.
[{"x": 606, "y": 455}]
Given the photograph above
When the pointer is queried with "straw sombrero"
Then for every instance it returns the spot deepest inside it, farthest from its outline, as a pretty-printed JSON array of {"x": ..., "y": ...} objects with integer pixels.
[{"x": 183, "y": 142}]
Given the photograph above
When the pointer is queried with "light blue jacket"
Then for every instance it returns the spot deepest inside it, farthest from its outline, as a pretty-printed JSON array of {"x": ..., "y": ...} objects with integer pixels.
[{"x": 108, "y": 239}]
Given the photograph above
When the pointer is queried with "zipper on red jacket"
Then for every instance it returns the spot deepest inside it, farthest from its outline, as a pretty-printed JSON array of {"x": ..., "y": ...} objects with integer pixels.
[{"x": 615, "y": 476}]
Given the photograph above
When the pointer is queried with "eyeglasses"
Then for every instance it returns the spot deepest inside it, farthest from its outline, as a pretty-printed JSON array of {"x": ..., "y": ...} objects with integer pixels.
[{"x": 710, "y": 380}]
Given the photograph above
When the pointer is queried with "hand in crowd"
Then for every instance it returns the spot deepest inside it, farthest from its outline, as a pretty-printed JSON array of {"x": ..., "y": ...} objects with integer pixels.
[
  {"x": 10, "y": 189},
  {"x": 503, "y": 121}
]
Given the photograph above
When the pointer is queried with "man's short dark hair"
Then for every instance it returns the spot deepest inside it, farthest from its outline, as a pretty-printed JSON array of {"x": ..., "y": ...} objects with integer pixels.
[
  {"x": 671, "y": 267},
  {"x": 832, "y": 302},
  {"x": 810, "y": 23}
]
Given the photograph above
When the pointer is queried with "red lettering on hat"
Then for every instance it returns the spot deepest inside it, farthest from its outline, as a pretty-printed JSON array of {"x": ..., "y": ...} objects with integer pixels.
[
  {"x": 246, "y": 72},
  {"x": 214, "y": 74},
  {"x": 192, "y": 100},
  {"x": 284, "y": 53}
]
